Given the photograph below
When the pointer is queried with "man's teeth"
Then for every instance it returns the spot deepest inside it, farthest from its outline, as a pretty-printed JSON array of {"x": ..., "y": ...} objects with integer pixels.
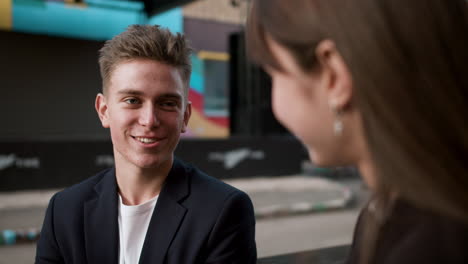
[{"x": 146, "y": 140}]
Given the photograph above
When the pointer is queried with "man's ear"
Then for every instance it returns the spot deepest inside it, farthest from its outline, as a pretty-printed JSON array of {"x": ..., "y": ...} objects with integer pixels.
[
  {"x": 187, "y": 114},
  {"x": 101, "y": 109},
  {"x": 339, "y": 80}
]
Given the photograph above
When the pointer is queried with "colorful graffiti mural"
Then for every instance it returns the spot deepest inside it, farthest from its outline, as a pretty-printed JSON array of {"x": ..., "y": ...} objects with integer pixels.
[
  {"x": 202, "y": 125},
  {"x": 5, "y": 14},
  {"x": 89, "y": 19},
  {"x": 93, "y": 20}
]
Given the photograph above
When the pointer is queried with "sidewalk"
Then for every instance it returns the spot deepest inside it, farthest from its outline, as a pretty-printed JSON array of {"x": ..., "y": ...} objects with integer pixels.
[
  {"x": 271, "y": 196},
  {"x": 295, "y": 194}
]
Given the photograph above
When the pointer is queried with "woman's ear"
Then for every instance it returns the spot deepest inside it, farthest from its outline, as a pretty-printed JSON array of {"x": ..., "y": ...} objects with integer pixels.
[
  {"x": 338, "y": 81},
  {"x": 101, "y": 109}
]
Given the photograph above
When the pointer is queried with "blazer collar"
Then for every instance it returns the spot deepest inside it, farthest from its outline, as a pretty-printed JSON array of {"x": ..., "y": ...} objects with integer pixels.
[
  {"x": 100, "y": 222},
  {"x": 177, "y": 185},
  {"x": 167, "y": 216}
]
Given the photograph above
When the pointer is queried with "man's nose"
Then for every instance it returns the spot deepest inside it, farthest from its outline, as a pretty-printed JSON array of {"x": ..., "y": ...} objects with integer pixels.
[{"x": 148, "y": 117}]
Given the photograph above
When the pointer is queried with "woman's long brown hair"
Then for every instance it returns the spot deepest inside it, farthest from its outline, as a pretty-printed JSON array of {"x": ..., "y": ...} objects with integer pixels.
[{"x": 409, "y": 62}]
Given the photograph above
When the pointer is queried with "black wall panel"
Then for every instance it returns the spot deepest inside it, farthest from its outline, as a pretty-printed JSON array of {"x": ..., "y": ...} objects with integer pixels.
[
  {"x": 250, "y": 95},
  {"x": 39, "y": 165},
  {"x": 48, "y": 86}
]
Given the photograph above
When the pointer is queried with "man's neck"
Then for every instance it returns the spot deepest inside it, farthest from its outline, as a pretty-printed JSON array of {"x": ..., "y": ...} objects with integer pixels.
[{"x": 138, "y": 185}]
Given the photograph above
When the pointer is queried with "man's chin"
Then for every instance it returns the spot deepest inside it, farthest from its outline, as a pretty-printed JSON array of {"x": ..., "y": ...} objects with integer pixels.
[
  {"x": 149, "y": 165},
  {"x": 153, "y": 163}
]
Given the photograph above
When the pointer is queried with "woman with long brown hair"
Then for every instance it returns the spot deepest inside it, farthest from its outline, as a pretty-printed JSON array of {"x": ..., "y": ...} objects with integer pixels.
[{"x": 382, "y": 85}]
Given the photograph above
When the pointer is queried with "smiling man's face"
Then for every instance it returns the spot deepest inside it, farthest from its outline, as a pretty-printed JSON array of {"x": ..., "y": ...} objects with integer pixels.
[{"x": 145, "y": 109}]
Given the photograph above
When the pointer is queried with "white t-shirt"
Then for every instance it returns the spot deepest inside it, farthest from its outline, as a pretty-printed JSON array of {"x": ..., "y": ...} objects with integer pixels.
[{"x": 133, "y": 225}]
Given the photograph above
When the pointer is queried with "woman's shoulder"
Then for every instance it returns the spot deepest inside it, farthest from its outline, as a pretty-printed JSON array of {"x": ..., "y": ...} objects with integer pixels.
[{"x": 413, "y": 235}]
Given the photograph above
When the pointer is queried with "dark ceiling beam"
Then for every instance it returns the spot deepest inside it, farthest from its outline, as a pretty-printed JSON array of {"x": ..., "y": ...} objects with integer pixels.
[{"x": 153, "y": 7}]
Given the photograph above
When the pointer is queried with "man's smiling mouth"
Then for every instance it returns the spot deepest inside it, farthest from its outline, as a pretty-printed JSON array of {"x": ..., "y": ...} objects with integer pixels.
[{"x": 145, "y": 140}]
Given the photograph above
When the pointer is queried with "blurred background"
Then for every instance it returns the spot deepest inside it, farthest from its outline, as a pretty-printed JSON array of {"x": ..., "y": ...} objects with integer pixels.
[{"x": 51, "y": 137}]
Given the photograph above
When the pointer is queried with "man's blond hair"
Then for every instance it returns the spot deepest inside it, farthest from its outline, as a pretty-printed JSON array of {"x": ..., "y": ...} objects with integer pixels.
[{"x": 146, "y": 42}]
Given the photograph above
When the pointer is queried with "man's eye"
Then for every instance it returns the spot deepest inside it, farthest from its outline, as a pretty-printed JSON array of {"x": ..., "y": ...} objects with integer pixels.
[
  {"x": 132, "y": 101},
  {"x": 169, "y": 104}
]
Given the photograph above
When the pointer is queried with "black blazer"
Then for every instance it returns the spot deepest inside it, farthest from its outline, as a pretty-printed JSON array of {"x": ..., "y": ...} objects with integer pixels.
[{"x": 197, "y": 219}]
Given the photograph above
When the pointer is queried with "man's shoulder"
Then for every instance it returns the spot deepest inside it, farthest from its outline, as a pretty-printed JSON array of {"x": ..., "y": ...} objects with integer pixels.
[
  {"x": 212, "y": 194},
  {"x": 201, "y": 181},
  {"x": 212, "y": 198}
]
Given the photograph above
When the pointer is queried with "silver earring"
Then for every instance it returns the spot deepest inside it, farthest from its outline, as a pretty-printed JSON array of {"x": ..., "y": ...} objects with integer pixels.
[
  {"x": 338, "y": 126},
  {"x": 338, "y": 123}
]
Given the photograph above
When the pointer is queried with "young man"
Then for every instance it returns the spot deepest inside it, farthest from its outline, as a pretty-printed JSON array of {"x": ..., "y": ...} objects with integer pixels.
[{"x": 150, "y": 208}]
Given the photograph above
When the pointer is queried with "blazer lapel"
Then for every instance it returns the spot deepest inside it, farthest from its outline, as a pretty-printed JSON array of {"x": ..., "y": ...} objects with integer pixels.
[
  {"x": 100, "y": 222},
  {"x": 167, "y": 216}
]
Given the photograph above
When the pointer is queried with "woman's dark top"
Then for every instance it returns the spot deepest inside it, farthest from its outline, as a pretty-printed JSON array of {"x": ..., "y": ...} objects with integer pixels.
[{"x": 410, "y": 236}]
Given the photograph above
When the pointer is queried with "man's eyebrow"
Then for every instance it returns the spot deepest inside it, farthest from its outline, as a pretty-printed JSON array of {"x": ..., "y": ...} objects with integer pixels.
[
  {"x": 170, "y": 96},
  {"x": 130, "y": 91}
]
